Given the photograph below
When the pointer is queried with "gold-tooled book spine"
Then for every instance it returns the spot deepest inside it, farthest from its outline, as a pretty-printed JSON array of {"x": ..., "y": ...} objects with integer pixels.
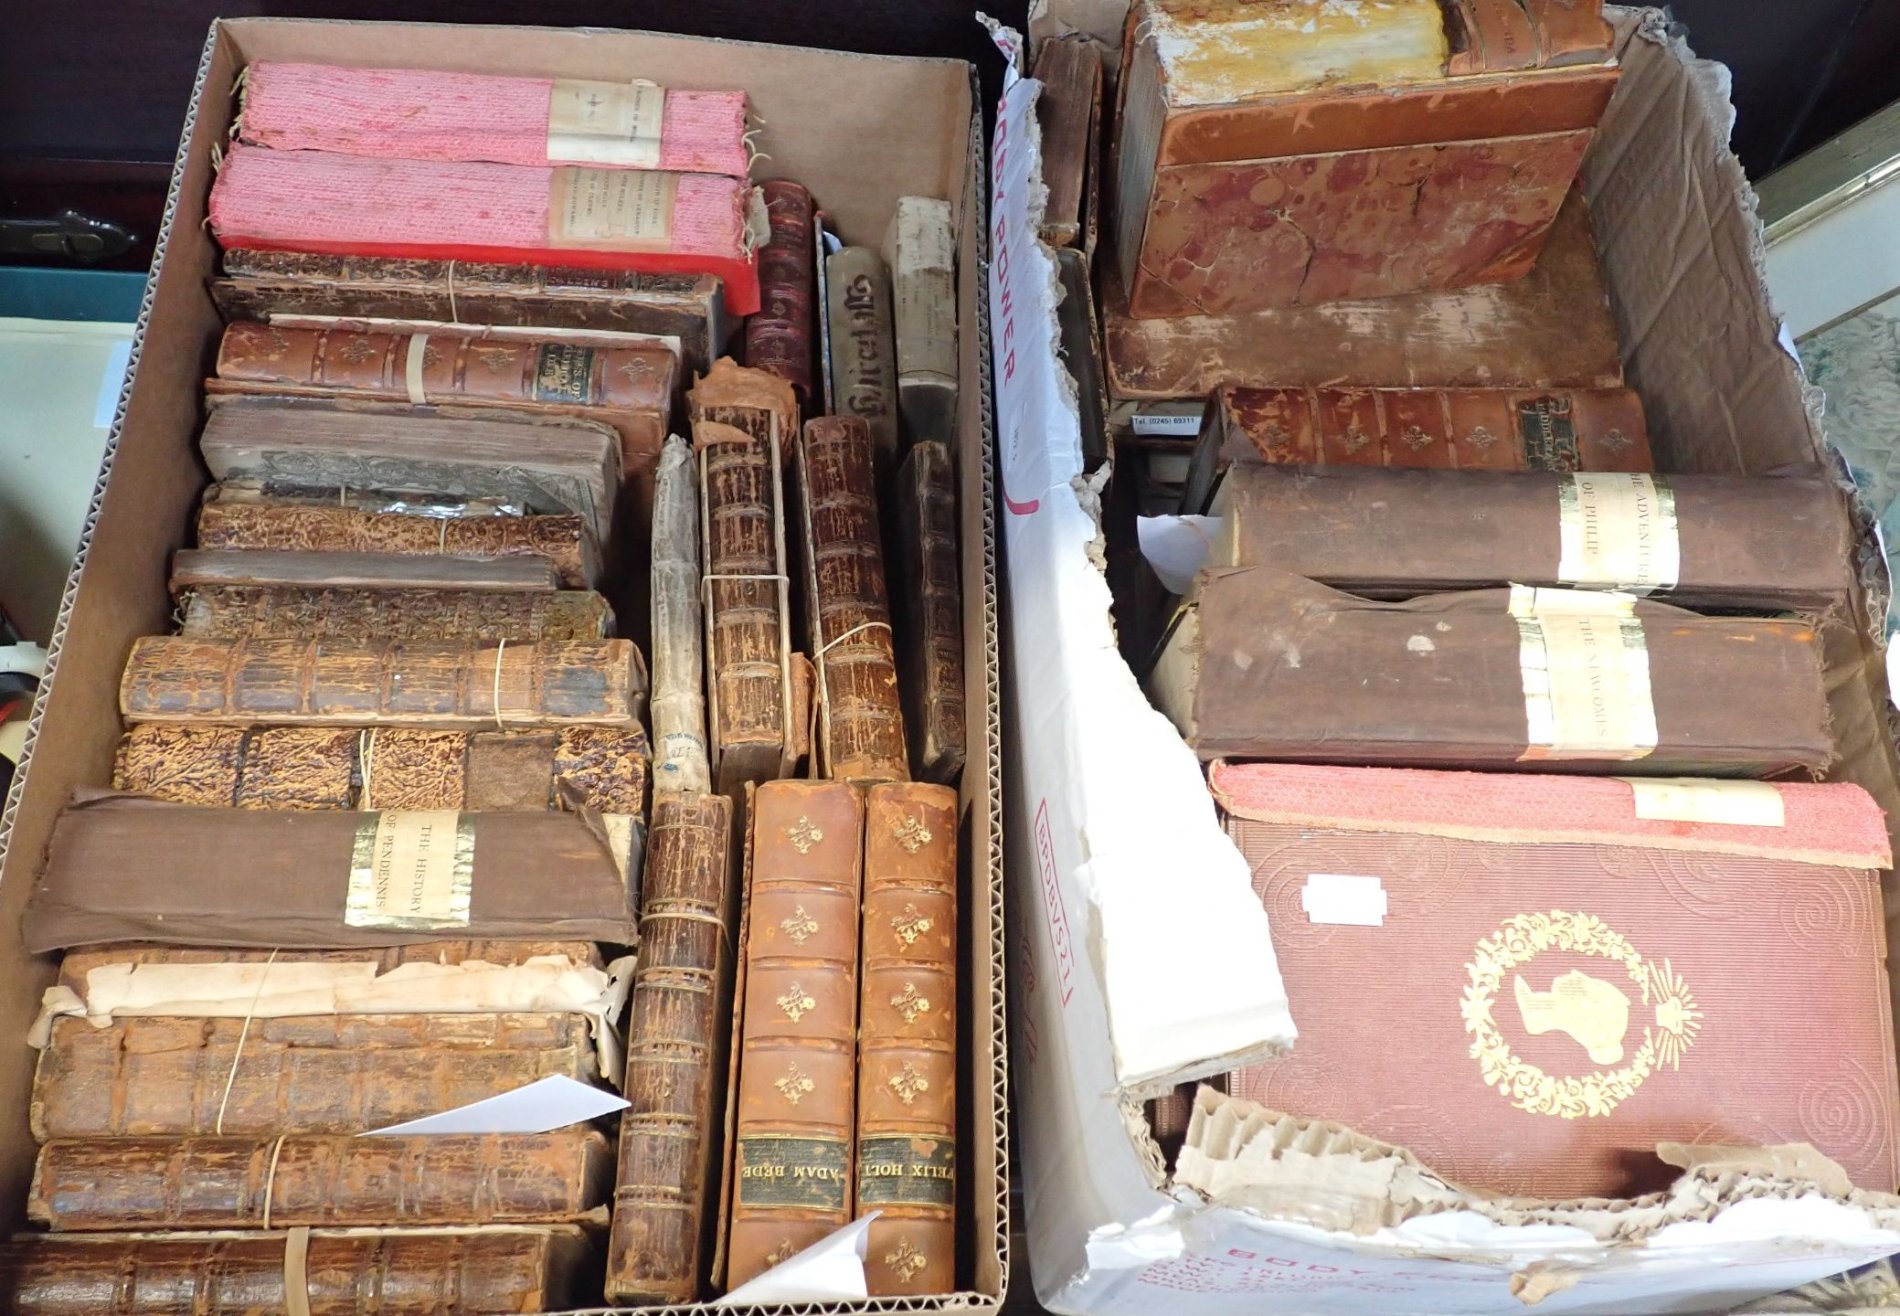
[
  {"x": 907, "y": 1039},
  {"x": 793, "y": 1163},
  {"x": 682, "y": 986}
]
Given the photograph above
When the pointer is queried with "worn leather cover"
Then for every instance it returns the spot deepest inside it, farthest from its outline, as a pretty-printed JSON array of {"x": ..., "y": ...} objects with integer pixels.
[
  {"x": 1269, "y": 666},
  {"x": 920, "y": 252},
  {"x": 680, "y": 760},
  {"x": 1553, "y": 328},
  {"x": 540, "y": 875},
  {"x": 794, "y": 1161},
  {"x": 321, "y": 1179},
  {"x": 676, "y": 1052},
  {"x": 1764, "y": 543},
  {"x": 240, "y": 518},
  {"x": 782, "y": 337},
  {"x": 171, "y": 678},
  {"x": 1467, "y": 429},
  {"x": 1535, "y": 1011},
  {"x": 686, "y": 307},
  {"x": 744, "y": 424},
  {"x": 860, "y": 720},
  {"x": 907, "y": 1039},
  {"x": 472, "y": 1273},
  {"x": 863, "y": 348},
  {"x": 1069, "y": 112},
  {"x": 242, "y": 612},
  {"x": 1505, "y": 35},
  {"x": 168, "y": 1076},
  {"x": 927, "y": 610}
]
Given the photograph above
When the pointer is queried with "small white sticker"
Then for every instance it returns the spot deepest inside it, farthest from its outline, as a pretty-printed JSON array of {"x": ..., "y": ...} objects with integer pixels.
[
  {"x": 1696, "y": 800},
  {"x": 1344, "y": 898},
  {"x": 1147, "y": 426}
]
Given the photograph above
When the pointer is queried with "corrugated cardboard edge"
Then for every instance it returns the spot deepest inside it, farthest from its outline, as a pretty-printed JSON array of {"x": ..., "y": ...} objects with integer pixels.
[{"x": 976, "y": 469}]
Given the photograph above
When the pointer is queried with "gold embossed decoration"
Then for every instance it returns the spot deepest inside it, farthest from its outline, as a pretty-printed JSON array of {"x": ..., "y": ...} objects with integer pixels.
[
  {"x": 794, "y": 1085},
  {"x": 804, "y": 834},
  {"x": 908, "y": 1084},
  {"x": 799, "y": 926},
  {"x": 910, "y": 925},
  {"x": 1593, "y": 1012},
  {"x": 785, "y": 1251},
  {"x": 1481, "y": 438},
  {"x": 1616, "y": 440},
  {"x": 906, "y": 1260},
  {"x": 911, "y": 833},
  {"x": 795, "y": 1003},
  {"x": 357, "y": 350},
  {"x": 496, "y": 359},
  {"x": 910, "y": 1003}
]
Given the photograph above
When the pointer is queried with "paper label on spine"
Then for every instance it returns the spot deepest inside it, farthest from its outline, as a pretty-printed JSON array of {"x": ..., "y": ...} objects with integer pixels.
[
  {"x": 1695, "y": 800},
  {"x": 1618, "y": 530},
  {"x": 1585, "y": 667},
  {"x": 808, "y": 1173},
  {"x": 411, "y": 869},
  {"x": 606, "y": 123},
  {"x": 907, "y": 1170},
  {"x": 611, "y": 209}
]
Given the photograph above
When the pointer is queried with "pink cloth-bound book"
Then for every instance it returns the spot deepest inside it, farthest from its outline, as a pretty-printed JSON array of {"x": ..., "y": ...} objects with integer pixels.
[
  {"x": 597, "y": 218},
  {"x": 436, "y": 114}
]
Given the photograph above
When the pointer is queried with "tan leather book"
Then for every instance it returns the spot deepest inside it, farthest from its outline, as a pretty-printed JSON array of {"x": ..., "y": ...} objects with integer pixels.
[
  {"x": 172, "y": 1076},
  {"x": 907, "y": 1039},
  {"x": 860, "y": 712},
  {"x": 452, "y": 686},
  {"x": 920, "y": 253},
  {"x": 240, "y": 516},
  {"x": 677, "y": 1039},
  {"x": 744, "y": 425},
  {"x": 435, "y": 1273},
  {"x": 793, "y": 1161},
  {"x": 863, "y": 350},
  {"x": 927, "y": 611},
  {"x": 1069, "y": 112},
  {"x": 601, "y": 768},
  {"x": 321, "y": 1179}
]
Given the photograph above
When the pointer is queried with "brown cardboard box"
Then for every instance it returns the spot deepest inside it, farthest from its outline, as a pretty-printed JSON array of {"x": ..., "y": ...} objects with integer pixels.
[{"x": 860, "y": 132}]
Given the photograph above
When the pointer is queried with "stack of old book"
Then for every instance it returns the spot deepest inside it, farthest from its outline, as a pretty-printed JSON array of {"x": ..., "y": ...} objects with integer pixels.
[
  {"x": 402, "y": 841},
  {"x": 1517, "y": 716}
]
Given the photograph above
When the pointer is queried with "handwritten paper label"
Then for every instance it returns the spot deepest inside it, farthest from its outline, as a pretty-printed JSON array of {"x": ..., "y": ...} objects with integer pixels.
[
  {"x": 606, "y": 123},
  {"x": 1585, "y": 666},
  {"x": 1618, "y": 530},
  {"x": 611, "y": 209},
  {"x": 411, "y": 869}
]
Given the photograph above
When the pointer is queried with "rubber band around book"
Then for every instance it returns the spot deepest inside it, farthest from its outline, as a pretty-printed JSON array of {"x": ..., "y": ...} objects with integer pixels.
[
  {"x": 270, "y": 1175},
  {"x": 501, "y": 647},
  {"x": 297, "y": 1271},
  {"x": 412, "y": 369},
  {"x": 366, "y": 752},
  {"x": 237, "y": 1052},
  {"x": 821, "y": 701}
]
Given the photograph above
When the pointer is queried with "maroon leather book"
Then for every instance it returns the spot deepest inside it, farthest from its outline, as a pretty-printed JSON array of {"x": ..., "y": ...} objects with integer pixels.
[{"x": 779, "y": 337}]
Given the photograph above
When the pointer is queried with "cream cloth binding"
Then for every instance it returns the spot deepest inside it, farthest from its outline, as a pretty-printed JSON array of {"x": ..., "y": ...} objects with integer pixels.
[{"x": 244, "y": 1032}]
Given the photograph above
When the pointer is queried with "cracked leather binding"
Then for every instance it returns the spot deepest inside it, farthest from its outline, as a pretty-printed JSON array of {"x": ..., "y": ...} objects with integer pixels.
[
  {"x": 780, "y": 337},
  {"x": 927, "y": 610},
  {"x": 863, "y": 346}
]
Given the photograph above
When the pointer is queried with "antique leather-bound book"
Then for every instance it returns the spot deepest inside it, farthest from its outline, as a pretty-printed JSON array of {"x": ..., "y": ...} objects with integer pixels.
[
  {"x": 322, "y": 1179},
  {"x": 1553, "y": 328},
  {"x": 927, "y": 610},
  {"x": 860, "y": 713},
  {"x": 1574, "y": 969},
  {"x": 475, "y": 1272},
  {"x": 1296, "y": 154},
  {"x": 676, "y": 1053},
  {"x": 329, "y": 877},
  {"x": 332, "y": 1073},
  {"x": 1703, "y": 540},
  {"x": 745, "y": 422},
  {"x": 794, "y": 1162},
  {"x": 242, "y": 612},
  {"x": 1466, "y": 429},
  {"x": 297, "y": 682},
  {"x": 241, "y": 516},
  {"x": 76, "y": 965},
  {"x": 920, "y": 253},
  {"x": 1269, "y": 666},
  {"x": 600, "y": 768},
  {"x": 907, "y": 1039},
  {"x": 781, "y": 338},
  {"x": 538, "y": 464},
  {"x": 612, "y": 219},
  {"x": 442, "y": 114},
  {"x": 679, "y": 637},
  {"x": 863, "y": 350},
  {"x": 688, "y": 308},
  {"x": 1069, "y": 112},
  {"x": 196, "y": 567}
]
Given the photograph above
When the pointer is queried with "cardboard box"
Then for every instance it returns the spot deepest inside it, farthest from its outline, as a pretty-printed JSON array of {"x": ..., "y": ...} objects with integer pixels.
[
  {"x": 1142, "y": 957},
  {"x": 859, "y": 131}
]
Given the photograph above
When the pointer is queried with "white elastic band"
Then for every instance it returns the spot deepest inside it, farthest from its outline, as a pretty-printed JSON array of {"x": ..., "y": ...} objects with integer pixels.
[
  {"x": 412, "y": 369},
  {"x": 244, "y": 1032}
]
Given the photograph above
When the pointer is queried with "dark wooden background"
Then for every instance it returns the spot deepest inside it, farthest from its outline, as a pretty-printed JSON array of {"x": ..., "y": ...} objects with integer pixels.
[{"x": 92, "y": 91}]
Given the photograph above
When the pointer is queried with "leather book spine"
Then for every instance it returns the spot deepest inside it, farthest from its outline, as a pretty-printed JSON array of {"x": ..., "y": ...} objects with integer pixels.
[
  {"x": 242, "y": 612},
  {"x": 679, "y": 639},
  {"x": 293, "y": 527},
  {"x": 863, "y": 350},
  {"x": 793, "y": 1162},
  {"x": 437, "y": 367},
  {"x": 744, "y": 424},
  {"x": 860, "y": 713},
  {"x": 920, "y": 252},
  {"x": 907, "y": 1039},
  {"x": 676, "y": 1043},
  {"x": 168, "y": 1075},
  {"x": 241, "y": 1274},
  {"x": 328, "y": 1179},
  {"x": 779, "y": 337},
  {"x": 927, "y": 609},
  {"x": 309, "y": 682},
  {"x": 1068, "y": 112},
  {"x": 1569, "y": 32}
]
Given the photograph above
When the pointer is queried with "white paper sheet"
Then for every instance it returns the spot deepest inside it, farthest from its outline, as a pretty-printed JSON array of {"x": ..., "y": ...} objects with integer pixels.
[
  {"x": 830, "y": 1270},
  {"x": 541, "y": 1107},
  {"x": 1176, "y": 546}
]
